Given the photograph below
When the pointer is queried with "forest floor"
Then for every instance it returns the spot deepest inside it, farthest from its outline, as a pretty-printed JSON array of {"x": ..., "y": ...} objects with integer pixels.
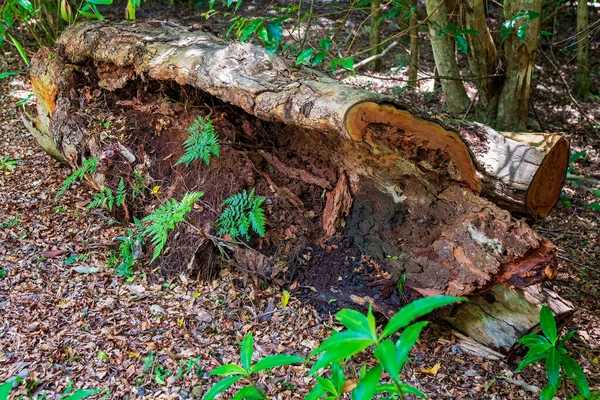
[{"x": 67, "y": 322}]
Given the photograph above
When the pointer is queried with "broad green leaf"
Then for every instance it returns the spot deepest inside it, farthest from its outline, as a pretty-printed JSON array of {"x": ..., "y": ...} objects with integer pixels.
[
  {"x": 461, "y": 43},
  {"x": 343, "y": 338},
  {"x": 318, "y": 58},
  {"x": 275, "y": 31},
  {"x": 548, "y": 324},
  {"x": 574, "y": 372},
  {"x": 553, "y": 367},
  {"x": 101, "y": 2},
  {"x": 249, "y": 393},
  {"x": 407, "y": 341},
  {"x": 549, "y": 391},
  {"x": 275, "y": 361},
  {"x": 26, "y": 4},
  {"x": 387, "y": 357},
  {"x": 340, "y": 351},
  {"x": 532, "y": 339},
  {"x": 535, "y": 354},
  {"x": 367, "y": 385},
  {"x": 250, "y": 28},
  {"x": 247, "y": 350},
  {"x": 20, "y": 49},
  {"x": 327, "y": 385},
  {"x": 566, "y": 338},
  {"x": 417, "y": 308},
  {"x": 468, "y": 32},
  {"x": 221, "y": 386},
  {"x": 82, "y": 394},
  {"x": 316, "y": 393},
  {"x": 406, "y": 389},
  {"x": 506, "y": 29},
  {"x": 357, "y": 321},
  {"x": 10, "y": 73},
  {"x": 5, "y": 389},
  {"x": 522, "y": 32},
  {"x": 304, "y": 56},
  {"x": 337, "y": 376},
  {"x": 229, "y": 369},
  {"x": 325, "y": 44}
]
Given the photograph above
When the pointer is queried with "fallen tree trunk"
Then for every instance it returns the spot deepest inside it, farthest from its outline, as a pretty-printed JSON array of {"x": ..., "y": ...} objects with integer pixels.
[{"x": 409, "y": 186}]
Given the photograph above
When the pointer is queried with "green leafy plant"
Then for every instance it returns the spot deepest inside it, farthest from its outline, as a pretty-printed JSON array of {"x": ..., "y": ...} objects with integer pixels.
[
  {"x": 459, "y": 35},
  {"x": 202, "y": 142},
  {"x": 247, "y": 371},
  {"x": 6, "y": 74},
  {"x": 165, "y": 218},
  {"x": 241, "y": 212},
  {"x": 107, "y": 199},
  {"x": 44, "y": 19},
  {"x": 550, "y": 347},
  {"x": 7, "y": 164},
  {"x": 508, "y": 25},
  {"x": 361, "y": 333},
  {"x": 130, "y": 243},
  {"x": 10, "y": 222},
  {"x": 138, "y": 186},
  {"x": 88, "y": 167},
  {"x": 188, "y": 366}
]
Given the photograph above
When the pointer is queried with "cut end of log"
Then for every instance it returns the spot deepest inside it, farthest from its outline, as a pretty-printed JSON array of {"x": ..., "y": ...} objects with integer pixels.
[
  {"x": 547, "y": 183},
  {"x": 425, "y": 133}
]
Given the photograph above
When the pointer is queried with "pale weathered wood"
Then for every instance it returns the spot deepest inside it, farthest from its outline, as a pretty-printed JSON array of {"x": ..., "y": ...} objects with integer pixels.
[{"x": 504, "y": 314}]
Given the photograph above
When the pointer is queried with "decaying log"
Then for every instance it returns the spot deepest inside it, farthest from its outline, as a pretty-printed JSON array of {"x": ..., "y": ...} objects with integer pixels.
[
  {"x": 416, "y": 184},
  {"x": 501, "y": 316}
]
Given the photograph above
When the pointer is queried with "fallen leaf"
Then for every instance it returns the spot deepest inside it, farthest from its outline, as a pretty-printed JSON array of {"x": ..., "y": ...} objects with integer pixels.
[
  {"x": 84, "y": 269},
  {"x": 285, "y": 298},
  {"x": 431, "y": 371}
]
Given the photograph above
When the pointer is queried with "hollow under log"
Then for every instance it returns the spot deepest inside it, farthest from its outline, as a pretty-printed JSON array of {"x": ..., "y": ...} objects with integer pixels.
[{"x": 416, "y": 183}]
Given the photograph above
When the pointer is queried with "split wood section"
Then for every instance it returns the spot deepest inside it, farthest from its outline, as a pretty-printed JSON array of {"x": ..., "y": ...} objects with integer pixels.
[{"x": 410, "y": 186}]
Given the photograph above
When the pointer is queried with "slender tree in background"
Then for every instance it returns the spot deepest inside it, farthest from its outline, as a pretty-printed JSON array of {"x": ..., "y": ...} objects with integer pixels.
[
  {"x": 520, "y": 48},
  {"x": 375, "y": 34},
  {"x": 582, "y": 82},
  {"x": 414, "y": 47},
  {"x": 445, "y": 58},
  {"x": 483, "y": 58}
]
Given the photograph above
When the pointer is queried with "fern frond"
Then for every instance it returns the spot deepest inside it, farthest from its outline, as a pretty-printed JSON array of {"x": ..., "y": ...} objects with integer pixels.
[
  {"x": 202, "y": 142},
  {"x": 242, "y": 211},
  {"x": 87, "y": 167},
  {"x": 121, "y": 193},
  {"x": 165, "y": 218}
]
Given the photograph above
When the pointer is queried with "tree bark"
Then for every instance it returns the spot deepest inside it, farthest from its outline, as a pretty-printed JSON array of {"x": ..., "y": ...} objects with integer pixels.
[
  {"x": 375, "y": 39},
  {"x": 445, "y": 58},
  {"x": 415, "y": 182},
  {"x": 582, "y": 82},
  {"x": 519, "y": 60},
  {"x": 483, "y": 59},
  {"x": 413, "y": 66}
]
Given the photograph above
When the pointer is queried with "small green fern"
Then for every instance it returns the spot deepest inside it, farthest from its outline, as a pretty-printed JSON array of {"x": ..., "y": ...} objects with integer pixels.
[
  {"x": 107, "y": 199},
  {"x": 241, "y": 212},
  {"x": 201, "y": 143},
  {"x": 164, "y": 219},
  {"x": 88, "y": 167},
  {"x": 127, "y": 250}
]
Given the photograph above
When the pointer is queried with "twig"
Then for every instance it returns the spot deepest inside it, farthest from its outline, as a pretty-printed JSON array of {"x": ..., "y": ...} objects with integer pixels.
[
  {"x": 536, "y": 115},
  {"x": 578, "y": 263},
  {"x": 372, "y": 58},
  {"x": 274, "y": 311}
]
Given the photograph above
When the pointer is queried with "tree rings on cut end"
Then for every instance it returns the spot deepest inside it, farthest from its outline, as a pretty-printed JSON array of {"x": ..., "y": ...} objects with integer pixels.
[
  {"x": 434, "y": 135},
  {"x": 547, "y": 183}
]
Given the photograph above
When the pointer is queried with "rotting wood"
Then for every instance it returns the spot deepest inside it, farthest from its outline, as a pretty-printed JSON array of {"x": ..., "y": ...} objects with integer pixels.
[{"x": 416, "y": 183}]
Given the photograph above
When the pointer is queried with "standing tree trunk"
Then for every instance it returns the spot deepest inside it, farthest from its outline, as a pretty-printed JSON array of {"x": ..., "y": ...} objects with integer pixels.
[
  {"x": 375, "y": 34},
  {"x": 445, "y": 58},
  {"x": 414, "y": 47},
  {"x": 519, "y": 60},
  {"x": 582, "y": 83},
  {"x": 483, "y": 59}
]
